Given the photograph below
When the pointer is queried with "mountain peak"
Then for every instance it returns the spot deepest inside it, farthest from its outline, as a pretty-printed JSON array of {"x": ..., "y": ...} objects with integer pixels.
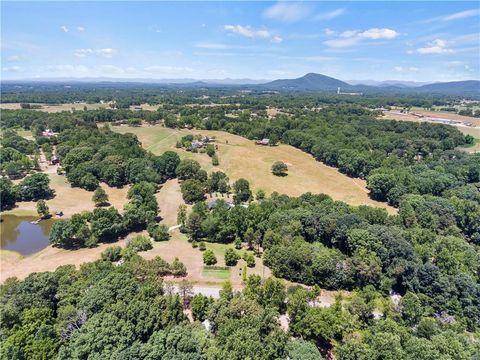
[{"x": 310, "y": 81}]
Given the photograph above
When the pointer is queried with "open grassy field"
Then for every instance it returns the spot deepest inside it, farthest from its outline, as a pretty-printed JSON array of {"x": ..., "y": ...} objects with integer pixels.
[
  {"x": 240, "y": 157},
  {"x": 70, "y": 200}
]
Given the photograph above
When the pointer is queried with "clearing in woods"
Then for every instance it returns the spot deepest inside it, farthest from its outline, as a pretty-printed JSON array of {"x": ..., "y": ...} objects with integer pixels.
[{"x": 241, "y": 158}]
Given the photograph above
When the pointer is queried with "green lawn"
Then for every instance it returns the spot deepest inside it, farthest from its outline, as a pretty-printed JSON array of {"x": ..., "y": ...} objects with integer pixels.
[{"x": 217, "y": 274}]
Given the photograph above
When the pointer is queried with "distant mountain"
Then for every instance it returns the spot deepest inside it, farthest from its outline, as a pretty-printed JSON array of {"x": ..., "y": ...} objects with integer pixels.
[
  {"x": 385, "y": 83},
  {"x": 453, "y": 87},
  {"x": 308, "y": 82}
]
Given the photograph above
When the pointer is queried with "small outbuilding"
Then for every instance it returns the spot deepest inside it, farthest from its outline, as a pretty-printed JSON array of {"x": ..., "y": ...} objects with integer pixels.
[{"x": 262, "y": 142}]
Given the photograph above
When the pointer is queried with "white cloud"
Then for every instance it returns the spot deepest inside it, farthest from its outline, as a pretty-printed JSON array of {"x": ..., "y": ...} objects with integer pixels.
[
  {"x": 12, "y": 69},
  {"x": 80, "y": 28},
  {"x": 287, "y": 12},
  {"x": 329, "y": 32},
  {"x": 351, "y": 37},
  {"x": 455, "y": 16},
  {"x": 409, "y": 69},
  {"x": 247, "y": 31},
  {"x": 276, "y": 39},
  {"x": 377, "y": 33},
  {"x": 106, "y": 52},
  {"x": 437, "y": 46},
  {"x": 209, "y": 45},
  {"x": 330, "y": 14},
  {"x": 64, "y": 28}
]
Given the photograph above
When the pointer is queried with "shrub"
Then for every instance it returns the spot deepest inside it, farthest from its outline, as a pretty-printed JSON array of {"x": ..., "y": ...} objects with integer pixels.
[
  {"x": 238, "y": 243},
  {"x": 112, "y": 253},
  {"x": 178, "y": 268},
  {"x": 231, "y": 257},
  {"x": 202, "y": 246},
  {"x": 209, "y": 258},
  {"x": 159, "y": 232},
  {"x": 250, "y": 259},
  {"x": 194, "y": 244},
  {"x": 279, "y": 168},
  {"x": 140, "y": 243},
  {"x": 215, "y": 161}
]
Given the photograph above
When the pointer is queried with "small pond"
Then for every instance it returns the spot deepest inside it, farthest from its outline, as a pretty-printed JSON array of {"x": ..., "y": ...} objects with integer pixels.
[{"x": 17, "y": 233}]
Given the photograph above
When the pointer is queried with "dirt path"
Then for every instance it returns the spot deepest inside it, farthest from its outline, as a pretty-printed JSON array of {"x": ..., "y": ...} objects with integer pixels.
[{"x": 169, "y": 199}]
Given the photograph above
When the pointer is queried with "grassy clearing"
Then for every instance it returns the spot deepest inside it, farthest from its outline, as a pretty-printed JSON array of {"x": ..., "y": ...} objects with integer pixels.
[
  {"x": 220, "y": 274},
  {"x": 70, "y": 200},
  {"x": 240, "y": 157}
]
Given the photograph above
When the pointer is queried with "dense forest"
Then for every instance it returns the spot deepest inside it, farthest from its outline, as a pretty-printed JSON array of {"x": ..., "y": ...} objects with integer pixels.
[{"x": 413, "y": 277}]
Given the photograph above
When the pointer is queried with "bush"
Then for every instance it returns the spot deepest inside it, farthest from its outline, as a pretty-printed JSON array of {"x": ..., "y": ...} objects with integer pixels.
[
  {"x": 159, "y": 232},
  {"x": 279, "y": 168},
  {"x": 231, "y": 257},
  {"x": 178, "y": 268},
  {"x": 250, "y": 259},
  {"x": 112, "y": 253},
  {"x": 238, "y": 243},
  {"x": 194, "y": 244},
  {"x": 215, "y": 161},
  {"x": 140, "y": 243},
  {"x": 209, "y": 258},
  {"x": 202, "y": 246}
]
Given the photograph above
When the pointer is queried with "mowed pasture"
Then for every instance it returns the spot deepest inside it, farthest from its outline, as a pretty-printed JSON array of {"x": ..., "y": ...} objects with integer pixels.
[{"x": 241, "y": 158}]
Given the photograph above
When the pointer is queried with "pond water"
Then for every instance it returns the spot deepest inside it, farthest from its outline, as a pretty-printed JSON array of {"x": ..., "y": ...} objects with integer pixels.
[{"x": 17, "y": 233}]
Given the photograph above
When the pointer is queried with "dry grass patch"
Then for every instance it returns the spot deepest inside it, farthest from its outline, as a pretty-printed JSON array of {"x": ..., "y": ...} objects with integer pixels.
[
  {"x": 240, "y": 157},
  {"x": 70, "y": 200}
]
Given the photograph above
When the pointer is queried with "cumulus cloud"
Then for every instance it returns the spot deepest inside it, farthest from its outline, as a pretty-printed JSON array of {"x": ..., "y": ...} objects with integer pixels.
[
  {"x": 247, "y": 31},
  {"x": 330, "y": 14},
  {"x": 105, "y": 52},
  {"x": 352, "y": 37},
  {"x": 377, "y": 33},
  {"x": 64, "y": 28},
  {"x": 287, "y": 12},
  {"x": 437, "y": 46}
]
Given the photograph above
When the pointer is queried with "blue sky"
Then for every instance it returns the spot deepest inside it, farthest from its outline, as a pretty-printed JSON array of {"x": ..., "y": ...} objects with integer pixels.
[{"x": 420, "y": 41}]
